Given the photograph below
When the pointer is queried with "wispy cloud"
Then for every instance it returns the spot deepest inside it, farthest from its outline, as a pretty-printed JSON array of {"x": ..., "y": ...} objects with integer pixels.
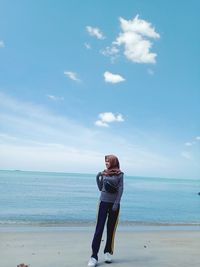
[
  {"x": 96, "y": 32},
  {"x": 72, "y": 75},
  {"x": 193, "y": 142},
  {"x": 113, "y": 78},
  {"x": 87, "y": 46},
  {"x": 36, "y": 122},
  {"x": 188, "y": 144},
  {"x": 111, "y": 52},
  {"x": 55, "y": 98},
  {"x": 150, "y": 72},
  {"x": 2, "y": 45},
  {"x": 108, "y": 117},
  {"x": 191, "y": 150},
  {"x": 32, "y": 137},
  {"x": 186, "y": 154}
]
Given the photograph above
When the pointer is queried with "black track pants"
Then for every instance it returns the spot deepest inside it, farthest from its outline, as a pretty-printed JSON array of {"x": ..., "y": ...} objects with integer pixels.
[{"x": 105, "y": 212}]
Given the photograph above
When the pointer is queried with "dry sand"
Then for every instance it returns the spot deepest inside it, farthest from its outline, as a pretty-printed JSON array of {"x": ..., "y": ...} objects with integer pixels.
[{"x": 71, "y": 248}]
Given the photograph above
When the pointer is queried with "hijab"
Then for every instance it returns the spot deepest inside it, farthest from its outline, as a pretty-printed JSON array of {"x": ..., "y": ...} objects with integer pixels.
[{"x": 114, "y": 168}]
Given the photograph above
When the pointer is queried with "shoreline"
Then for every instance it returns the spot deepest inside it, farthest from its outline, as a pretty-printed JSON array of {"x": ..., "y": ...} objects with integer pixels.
[
  {"x": 89, "y": 226},
  {"x": 91, "y": 223}
]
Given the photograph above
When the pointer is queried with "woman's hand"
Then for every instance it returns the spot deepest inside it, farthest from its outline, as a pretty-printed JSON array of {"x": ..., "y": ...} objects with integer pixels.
[
  {"x": 115, "y": 207},
  {"x": 99, "y": 180},
  {"x": 99, "y": 174}
]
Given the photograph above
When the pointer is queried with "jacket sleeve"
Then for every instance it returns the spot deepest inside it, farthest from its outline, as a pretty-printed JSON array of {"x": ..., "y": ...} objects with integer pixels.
[
  {"x": 120, "y": 189},
  {"x": 99, "y": 180}
]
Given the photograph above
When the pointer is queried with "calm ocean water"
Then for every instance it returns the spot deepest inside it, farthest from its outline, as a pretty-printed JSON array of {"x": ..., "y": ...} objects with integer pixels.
[{"x": 42, "y": 197}]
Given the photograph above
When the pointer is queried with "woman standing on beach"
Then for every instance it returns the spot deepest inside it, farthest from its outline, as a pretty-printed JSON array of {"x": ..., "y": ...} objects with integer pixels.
[{"x": 110, "y": 183}]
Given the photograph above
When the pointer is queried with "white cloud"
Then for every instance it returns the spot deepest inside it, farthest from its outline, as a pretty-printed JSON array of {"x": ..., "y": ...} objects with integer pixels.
[
  {"x": 198, "y": 138},
  {"x": 139, "y": 26},
  {"x": 55, "y": 98},
  {"x": 113, "y": 78},
  {"x": 134, "y": 38},
  {"x": 108, "y": 117},
  {"x": 2, "y": 45},
  {"x": 101, "y": 123},
  {"x": 88, "y": 46},
  {"x": 95, "y": 32},
  {"x": 72, "y": 75}
]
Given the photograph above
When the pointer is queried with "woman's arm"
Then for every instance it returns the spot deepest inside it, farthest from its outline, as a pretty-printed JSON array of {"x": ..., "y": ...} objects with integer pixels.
[
  {"x": 120, "y": 192},
  {"x": 99, "y": 180}
]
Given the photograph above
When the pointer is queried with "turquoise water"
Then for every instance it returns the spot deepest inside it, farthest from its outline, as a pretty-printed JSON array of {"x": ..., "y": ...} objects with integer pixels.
[{"x": 42, "y": 197}]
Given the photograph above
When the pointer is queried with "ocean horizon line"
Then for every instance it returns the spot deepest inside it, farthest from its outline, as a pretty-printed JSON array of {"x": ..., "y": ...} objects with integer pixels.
[{"x": 94, "y": 174}]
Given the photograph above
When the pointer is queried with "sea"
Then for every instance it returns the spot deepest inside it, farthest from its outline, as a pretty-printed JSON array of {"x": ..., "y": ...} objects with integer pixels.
[{"x": 51, "y": 198}]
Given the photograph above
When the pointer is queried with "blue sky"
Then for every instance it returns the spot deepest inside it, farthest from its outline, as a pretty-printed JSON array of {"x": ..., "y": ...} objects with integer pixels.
[{"x": 81, "y": 79}]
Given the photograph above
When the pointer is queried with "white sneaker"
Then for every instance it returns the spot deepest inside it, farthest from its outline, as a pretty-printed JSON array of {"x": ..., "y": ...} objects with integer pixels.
[
  {"x": 108, "y": 257},
  {"x": 92, "y": 262}
]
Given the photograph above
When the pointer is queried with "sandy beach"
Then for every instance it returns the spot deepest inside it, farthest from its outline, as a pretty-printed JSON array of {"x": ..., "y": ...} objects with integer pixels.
[{"x": 72, "y": 248}]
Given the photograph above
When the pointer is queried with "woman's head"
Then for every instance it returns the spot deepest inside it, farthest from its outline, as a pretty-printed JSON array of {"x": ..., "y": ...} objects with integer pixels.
[
  {"x": 112, "y": 166},
  {"x": 111, "y": 162}
]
